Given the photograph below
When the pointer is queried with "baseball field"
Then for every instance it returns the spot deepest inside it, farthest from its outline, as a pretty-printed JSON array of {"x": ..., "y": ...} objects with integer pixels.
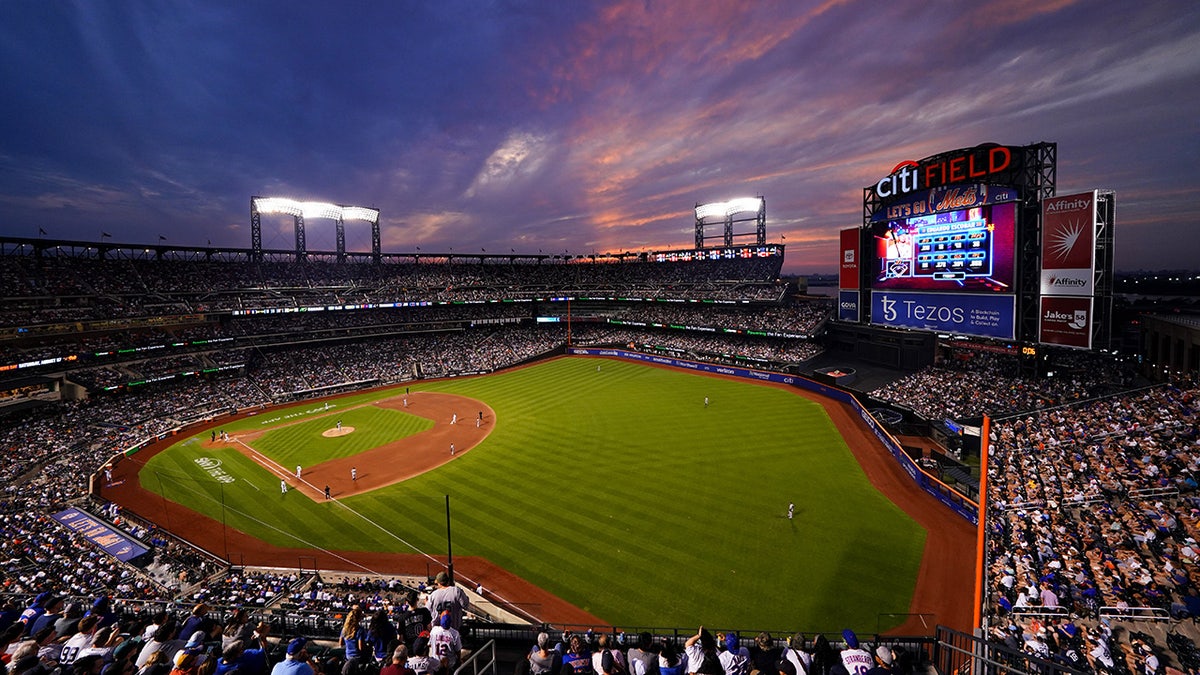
[{"x": 613, "y": 485}]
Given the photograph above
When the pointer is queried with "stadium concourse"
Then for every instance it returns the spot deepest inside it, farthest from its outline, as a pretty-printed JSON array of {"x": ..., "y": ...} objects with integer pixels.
[{"x": 1092, "y": 515}]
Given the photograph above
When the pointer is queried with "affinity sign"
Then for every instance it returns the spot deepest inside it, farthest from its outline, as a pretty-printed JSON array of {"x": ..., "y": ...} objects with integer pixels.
[
  {"x": 1068, "y": 244},
  {"x": 991, "y": 316}
]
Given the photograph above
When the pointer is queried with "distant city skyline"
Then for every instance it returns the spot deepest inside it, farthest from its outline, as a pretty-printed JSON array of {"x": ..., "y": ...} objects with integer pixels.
[{"x": 582, "y": 126}]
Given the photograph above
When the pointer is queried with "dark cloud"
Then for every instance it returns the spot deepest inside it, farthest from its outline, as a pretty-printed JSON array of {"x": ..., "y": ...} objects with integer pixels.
[{"x": 579, "y": 126}]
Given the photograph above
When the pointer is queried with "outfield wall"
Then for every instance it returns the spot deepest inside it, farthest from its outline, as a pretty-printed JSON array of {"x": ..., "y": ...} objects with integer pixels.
[{"x": 957, "y": 503}]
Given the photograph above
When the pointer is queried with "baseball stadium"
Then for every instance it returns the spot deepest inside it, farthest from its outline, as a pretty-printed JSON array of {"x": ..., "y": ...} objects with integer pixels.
[{"x": 943, "y": 465}]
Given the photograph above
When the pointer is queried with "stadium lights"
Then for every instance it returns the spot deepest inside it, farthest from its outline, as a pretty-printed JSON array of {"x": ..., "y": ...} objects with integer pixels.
[
  {"x": 728, "y": 208},
  {"x": 292, "y": 207}
]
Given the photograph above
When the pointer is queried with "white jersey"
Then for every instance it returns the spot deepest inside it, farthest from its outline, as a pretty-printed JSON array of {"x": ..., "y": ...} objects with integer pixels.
[
  {"x": 799, "y": 658},
  {"x": 735, "y": 663},
  {"x": 445, "y": 643},
  {"x": 70, "y": 650},
  {"x": 857, "y": 661}
]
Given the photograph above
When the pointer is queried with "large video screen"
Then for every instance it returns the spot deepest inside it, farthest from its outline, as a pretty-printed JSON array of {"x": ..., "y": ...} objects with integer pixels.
[{"x": 955, "y": 251}]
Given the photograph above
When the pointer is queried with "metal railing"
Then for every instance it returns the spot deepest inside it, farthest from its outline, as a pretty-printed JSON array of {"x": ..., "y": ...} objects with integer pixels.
[{"x": 481, "y": 662}]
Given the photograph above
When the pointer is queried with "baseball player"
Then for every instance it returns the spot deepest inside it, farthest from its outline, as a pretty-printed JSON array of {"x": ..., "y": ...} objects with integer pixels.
[
  {"x": 354, "y": 473},
  {"x": 791, "y": 510},
  {"x": 282, "y": 486}
]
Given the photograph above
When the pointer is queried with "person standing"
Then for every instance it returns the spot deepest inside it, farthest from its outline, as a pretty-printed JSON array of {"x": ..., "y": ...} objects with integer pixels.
[
  {"x": 297, "y": 472},
  {"x": 352, "y": 640},
  {"x": 705, "y": 401},
  {"x": 448, "y": 597},
  {"x": 445, "y": 643},
  {"x": 354, "y": 473},
  {"x": 452, "y": 448},
  {"x": 415, "y": 621},
  {"x": 282, "y": 486},
  {"x": 791, "y": 510},
  {"x": 454, "y": 419},
  {"x": 326, "y": 492}
]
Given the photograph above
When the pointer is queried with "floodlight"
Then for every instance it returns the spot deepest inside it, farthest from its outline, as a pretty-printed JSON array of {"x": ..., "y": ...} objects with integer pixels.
[
  {"x": 728, "y": 208},
  {"x": 292, "y": 207}
]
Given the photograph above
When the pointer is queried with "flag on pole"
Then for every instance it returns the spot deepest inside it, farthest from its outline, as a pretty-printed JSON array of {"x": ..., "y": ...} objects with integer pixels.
[
  {"x": 41, "y": 231},
  {"x": 104, "y": 234}
]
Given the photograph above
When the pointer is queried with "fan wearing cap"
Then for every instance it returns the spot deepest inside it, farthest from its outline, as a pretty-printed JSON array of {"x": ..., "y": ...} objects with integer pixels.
[
  {"x": 883, "y": 661},
  {"x": 853, "y": 660},
  {"x": 296, "y": 662},
  {"x": 448, "y": 597},
  {"x": 736, "y": 658},
  {"x": 53, "y": 611},
  {"x": 445, "y": 643}
]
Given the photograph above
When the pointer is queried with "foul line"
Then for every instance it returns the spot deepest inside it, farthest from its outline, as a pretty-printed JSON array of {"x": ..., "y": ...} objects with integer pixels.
[{"x": 278, "y": 469}]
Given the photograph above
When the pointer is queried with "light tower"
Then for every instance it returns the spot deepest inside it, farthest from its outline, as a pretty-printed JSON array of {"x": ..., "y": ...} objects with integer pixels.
[
  {"x": 302, "y": 210},
  {"x": 729, "y": 213}
]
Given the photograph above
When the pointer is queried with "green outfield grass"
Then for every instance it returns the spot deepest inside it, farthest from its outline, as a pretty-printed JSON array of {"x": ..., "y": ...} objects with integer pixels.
[{"x": 616, "y": 490}]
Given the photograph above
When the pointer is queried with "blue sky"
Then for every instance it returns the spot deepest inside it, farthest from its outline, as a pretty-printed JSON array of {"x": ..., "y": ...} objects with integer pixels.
[{"x": 577, "y": 126}]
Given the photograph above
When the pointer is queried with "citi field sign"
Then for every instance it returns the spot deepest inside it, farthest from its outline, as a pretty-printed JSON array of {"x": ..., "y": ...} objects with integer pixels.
[{"x": 974, "y": 165}]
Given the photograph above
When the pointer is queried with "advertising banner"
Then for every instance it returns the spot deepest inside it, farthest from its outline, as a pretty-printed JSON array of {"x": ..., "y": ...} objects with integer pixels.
[
  {"x": 1069, "y": 244},
  {"x": 848, "y": 266},
  {"x": 848, "y": 306},
  {"x": 991, "y": 316},
  {"x": 116, "y": 544},
  {"x": 1065, "y": 321}
]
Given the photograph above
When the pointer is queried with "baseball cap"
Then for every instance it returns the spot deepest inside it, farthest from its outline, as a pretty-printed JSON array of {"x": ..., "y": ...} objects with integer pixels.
[
  {"x": 296, "y": 645},
  {"x": 731, "y": 642},
  {"x": 786, "y": 667},
  {"x": 850, "y": 638},
  {"x": 444, "y": 620},
  {"x": 884, "y": 654},
  {"x": 122, "y": 650},
  {"x": 195, "y": 640},
  {"x": 442, "y": 578}
]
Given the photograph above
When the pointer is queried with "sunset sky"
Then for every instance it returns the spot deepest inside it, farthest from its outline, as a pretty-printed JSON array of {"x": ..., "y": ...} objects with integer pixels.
[{"x": 577, "y": 126}]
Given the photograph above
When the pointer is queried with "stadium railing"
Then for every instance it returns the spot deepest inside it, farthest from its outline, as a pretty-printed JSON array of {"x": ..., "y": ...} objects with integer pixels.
[
  {"x": 962, "y": 654},
  {"x": 1135, "y": 613},
  {"x": 481, "y": 662}
]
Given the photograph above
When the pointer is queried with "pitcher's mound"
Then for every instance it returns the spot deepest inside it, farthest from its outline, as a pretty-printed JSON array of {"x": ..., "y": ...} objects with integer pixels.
[{"x": 334, "y": 432}]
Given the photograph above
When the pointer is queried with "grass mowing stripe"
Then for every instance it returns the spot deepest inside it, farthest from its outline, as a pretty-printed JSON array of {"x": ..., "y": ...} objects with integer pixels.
[{"x": 619, "y": 484}]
